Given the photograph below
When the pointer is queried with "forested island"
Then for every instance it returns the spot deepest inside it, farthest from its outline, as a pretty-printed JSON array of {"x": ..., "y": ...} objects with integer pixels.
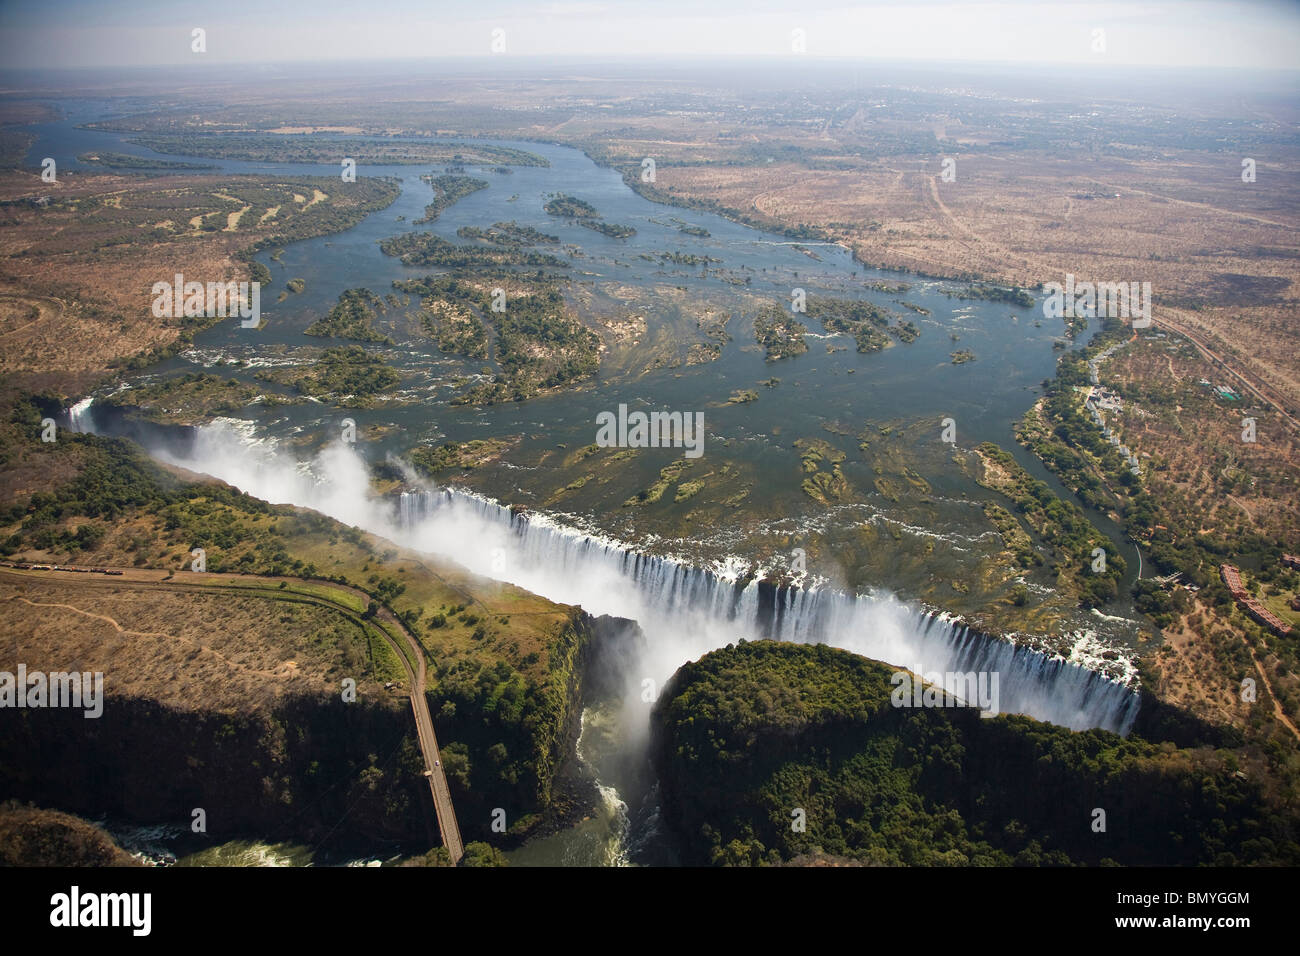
[
  {"x": 127, "y": 161},
  {"x": 771, "y": 753},
  {"x": 426, "y": 249},
  {"x": 992, "y": 293},
  {"x": 448, "y": 190},
  {"x": 510, "y": 234},
  {"x": 570, "y": 207},
  {"x": 351, "y": 318},
  {"x": 781, "y": 335},
  {"x": 585, "y": 214},
  {"x": 310, "y": 148}
]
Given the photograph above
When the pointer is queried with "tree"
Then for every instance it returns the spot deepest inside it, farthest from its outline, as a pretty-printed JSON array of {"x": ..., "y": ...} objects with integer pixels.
[
  {"x": 482, "y": 854},
  {"x": 455, "y": 764},
  {"x": 739, "y": 853}
]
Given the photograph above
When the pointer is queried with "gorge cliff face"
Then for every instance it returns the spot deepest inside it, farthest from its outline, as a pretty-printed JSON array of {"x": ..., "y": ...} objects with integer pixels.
[
  {"x": 506, "y": 742},
  {"x": 311, "y": 766},
  {"x": 299, "y": 770}
]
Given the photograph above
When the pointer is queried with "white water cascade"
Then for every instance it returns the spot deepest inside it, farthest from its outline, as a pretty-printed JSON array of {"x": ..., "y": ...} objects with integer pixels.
[
  {"x": 78, "y": 417},
  {"x": 684, "y": 611},
  {"x": 687, "y": 611}
]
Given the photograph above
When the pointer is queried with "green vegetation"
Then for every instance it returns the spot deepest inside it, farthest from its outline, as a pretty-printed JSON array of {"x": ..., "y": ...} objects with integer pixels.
[
  {"x": 1074, "y": 448},
  {"x": 296, "y": 285},
  {"x": 1176, "y": 522},
  {"x": 821, "y": 486},
  {"x": 482, "y": 854},
  {"x": 465, "y": 335},
  {"x": 780, "y": 334},
  {"x": 433, "y": 461},
  {"x": 992, "y": 293},
  {"x": 336, "y": 211},
  {"x": 477, "y": 854},
  {"x": 351, "y": 318},
  {"x": 962, "y": 356},
  {"x": 15, "y": 142},
  {"x": 667, "y": 476},
  {"x": 1013, "y": 535},
  {"x": 868, "y": 323},
  {"x": 1061, "y": 524},
  {"x": 539, "y": 345},
  {"x": 749, "y": 734},
  {"x": 507, "y": 731},
  {"x": 186, "y": 219},
  {"x": 687, "y": 258},
  {"x": 613, "y": 230},
  {"x": 570, "y": 207},
  {"x": 504, "y": 678},
  {"x": 905, "y": 331},
  {"x": 448, "y": 190},
  {"x": 127, "y": 161},
  {"x": 688, "y": 489},
  {"x": 507, "y": 234},
  {"x": 452, "y": 313},
  {"x": 309, "y": 148},
  {"x": 585, "y": 213},
  {"x": 185, "y": 399},
  {"x": 347, "y": 375},
  {"x": 426, "y": 249},
  {"x": 113, "y": 479},
  {"x": 1070, "y": 444}
]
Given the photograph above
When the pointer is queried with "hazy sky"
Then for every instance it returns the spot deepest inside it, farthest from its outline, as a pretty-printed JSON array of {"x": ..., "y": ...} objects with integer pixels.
[{"x": 1244, "y": 33}]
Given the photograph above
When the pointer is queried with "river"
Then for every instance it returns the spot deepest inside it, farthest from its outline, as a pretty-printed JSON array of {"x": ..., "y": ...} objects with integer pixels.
[{"x": 893, "y": 601}]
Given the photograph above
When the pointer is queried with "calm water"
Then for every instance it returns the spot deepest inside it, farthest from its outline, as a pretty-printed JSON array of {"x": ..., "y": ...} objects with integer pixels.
[{"x": 908, "y": 388}]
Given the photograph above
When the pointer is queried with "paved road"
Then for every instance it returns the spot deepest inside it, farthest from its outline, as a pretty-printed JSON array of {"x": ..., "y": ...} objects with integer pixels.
[{"x": 416, "y": 678}]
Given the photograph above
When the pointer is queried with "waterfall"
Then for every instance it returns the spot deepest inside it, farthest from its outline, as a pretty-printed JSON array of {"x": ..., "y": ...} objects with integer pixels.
[
  {"x": 78, "y": 417},
  {"x": 687, "y": 611}
]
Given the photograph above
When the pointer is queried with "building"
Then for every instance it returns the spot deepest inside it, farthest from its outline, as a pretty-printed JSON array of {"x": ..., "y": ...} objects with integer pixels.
[
  {"x": 1107, "y": 400},
  {"x": 1232, "y": 578},
  {"x": 1266, "y": 617}
]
